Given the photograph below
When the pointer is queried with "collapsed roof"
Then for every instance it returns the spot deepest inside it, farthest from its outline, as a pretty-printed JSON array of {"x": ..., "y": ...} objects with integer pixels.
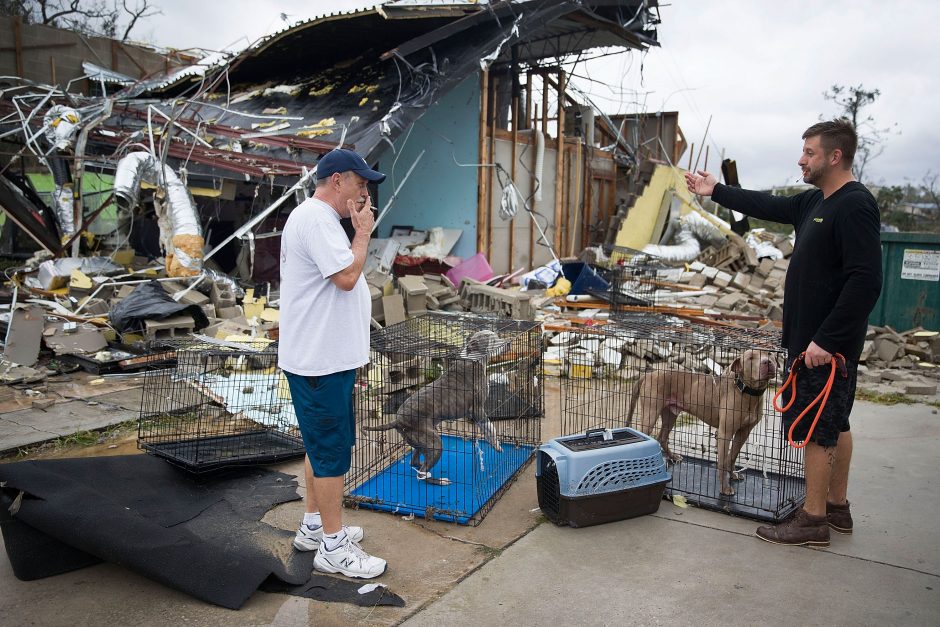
[{"x": 358, "y": 79}]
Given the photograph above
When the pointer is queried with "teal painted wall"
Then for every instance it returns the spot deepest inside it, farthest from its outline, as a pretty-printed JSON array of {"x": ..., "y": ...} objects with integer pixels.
[{"x": 438, "y": 192}]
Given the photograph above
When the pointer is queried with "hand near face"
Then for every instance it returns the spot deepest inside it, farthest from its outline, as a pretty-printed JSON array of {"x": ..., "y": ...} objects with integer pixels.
[{"x": 361, "y": 217}]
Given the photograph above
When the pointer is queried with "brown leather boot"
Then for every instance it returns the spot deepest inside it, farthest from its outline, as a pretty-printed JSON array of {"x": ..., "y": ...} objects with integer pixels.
[
  {"x": 800, "y": 529},
  {"x": 839, "y": 517}
]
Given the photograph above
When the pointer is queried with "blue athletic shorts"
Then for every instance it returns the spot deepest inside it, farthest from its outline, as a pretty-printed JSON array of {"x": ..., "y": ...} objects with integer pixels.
[{"x": 324, "y": 408}]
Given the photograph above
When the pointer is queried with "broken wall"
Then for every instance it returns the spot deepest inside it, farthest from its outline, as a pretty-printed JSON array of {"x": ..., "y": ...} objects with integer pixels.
[
  {"x": 521, "y": 225},
  {"x": 49, "y": 55},
  {"x": 439, "y": 192}
]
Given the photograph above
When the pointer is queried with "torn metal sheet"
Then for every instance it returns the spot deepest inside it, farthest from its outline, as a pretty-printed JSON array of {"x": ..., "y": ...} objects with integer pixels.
[
  {"x": 25, "y": 335},
  {"x": 262, "y": 397},
  {"x": 71, "y": 338}
]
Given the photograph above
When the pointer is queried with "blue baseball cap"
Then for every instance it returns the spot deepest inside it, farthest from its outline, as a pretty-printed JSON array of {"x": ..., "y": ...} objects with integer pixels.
[{"x": 342, "y": 160}]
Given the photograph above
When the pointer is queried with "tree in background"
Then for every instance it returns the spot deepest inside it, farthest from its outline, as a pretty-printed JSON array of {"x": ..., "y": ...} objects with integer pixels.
[
  {"x": 103, "y": 18},
  {"x": 852, "y": 101}
]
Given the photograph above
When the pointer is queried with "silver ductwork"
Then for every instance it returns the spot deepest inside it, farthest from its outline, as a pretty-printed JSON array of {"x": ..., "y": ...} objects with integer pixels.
[
  {"x": 61, "y": 124},
  {"x": 180, "y": 232},
  {"x": 693, "y": 229}
]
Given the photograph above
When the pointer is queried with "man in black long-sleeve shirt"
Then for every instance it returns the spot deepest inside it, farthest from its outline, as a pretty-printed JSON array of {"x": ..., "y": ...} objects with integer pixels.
[{"x": 832, "y": 284}]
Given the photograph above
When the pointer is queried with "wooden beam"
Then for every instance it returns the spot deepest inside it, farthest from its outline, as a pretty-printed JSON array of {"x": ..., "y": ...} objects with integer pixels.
[
  {"x": 512, "y": 174},
  {"x": 529, "y": 125},
  {"x": 491, "y": 171},
  {"x": 18, "y": 44},
  {"x": 481, "y": 158},
  {"x": 560, "y": 163}
]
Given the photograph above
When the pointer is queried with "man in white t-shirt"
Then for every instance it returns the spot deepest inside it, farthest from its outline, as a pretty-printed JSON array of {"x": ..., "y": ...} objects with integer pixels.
[{"x": 324, "y": 337}]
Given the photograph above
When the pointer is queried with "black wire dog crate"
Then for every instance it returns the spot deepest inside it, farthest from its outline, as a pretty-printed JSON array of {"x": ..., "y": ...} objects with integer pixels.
[
  {"x": 705, "y": 392},
  {"x": 423, "y": 445},
  {"x": 639, "y": 281},
  {"x": 220, "y": 406}
]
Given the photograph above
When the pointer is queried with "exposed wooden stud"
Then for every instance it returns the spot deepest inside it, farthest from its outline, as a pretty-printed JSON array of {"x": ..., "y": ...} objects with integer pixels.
[
  {"x": 18, "y": 44},
  {"x": 491, "y": 171},
  {"x": 482, "y": 196},
  {"x": 52, "y": 70},
  {"x": 528, "y": 124},
  {"x": 512, "y": 172},
  {"x": 560, "y": 162}
]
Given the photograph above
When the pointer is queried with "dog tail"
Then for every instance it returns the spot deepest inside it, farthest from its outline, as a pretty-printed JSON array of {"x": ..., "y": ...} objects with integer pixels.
[{"x": 386, "y": 427}]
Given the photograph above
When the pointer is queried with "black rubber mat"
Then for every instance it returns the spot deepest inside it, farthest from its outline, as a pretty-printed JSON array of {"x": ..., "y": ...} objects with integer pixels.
[
  {"x": 768, "y": 497},
  {"x": 200, "y": 535}
]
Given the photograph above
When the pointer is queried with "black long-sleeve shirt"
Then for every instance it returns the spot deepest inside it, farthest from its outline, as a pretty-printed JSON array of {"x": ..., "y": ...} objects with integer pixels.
[{"x": 834, "y": 277}]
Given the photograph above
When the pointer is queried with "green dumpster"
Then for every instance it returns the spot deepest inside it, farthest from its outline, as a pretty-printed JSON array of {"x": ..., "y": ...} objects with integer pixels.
[{"x": 910, "y": 296}]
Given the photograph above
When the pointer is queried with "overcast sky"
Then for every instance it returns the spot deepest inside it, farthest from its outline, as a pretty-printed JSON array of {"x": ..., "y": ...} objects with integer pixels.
[{"x": 758, "y": 69}]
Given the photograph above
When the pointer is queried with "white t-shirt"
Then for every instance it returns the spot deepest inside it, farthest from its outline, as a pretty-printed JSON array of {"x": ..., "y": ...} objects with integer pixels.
[{"x": 323, "y": 329}]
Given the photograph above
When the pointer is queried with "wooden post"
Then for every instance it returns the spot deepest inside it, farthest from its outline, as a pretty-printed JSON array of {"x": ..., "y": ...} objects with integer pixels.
[
  {"x": 18, "y": 44},
  {"x": 491, "y": 174},
  {"x": 482, "y": 172},
  {"x": 512, "y": 171},
  {"x": 691, "y": 152},
  {"x": 560, "y": 162},
  {"x": 528, "y": 124},
  {"x": 587, "y": 212},
  {"x": 52, "y": 70}
]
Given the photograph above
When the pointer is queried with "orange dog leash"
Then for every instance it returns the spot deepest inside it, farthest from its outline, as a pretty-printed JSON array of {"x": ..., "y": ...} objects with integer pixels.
[{"x": 837, "y": 361}]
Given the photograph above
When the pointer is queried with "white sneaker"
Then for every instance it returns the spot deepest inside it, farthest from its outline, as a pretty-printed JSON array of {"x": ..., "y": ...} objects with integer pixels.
[
  {"x": 349, "y": 559},
  {"x": 309, "y": 538}
]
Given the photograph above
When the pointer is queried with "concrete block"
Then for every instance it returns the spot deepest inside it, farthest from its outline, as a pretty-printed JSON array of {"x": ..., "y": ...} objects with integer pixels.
[
  {"x": 722, "y": 279},
  {"x": 393, "y": 308},
  {"x": 234, "y": 311},
  {"x": 222, "y": 296},
  {"x": 741, "y": 280},
  {"x": 729, "y": 301},
  {"x": 169, "y": 328},
  {"x": 887, "y": 349},
  {"x": 785, "y": 247},
  {"x": 710, "y": 273},
  {"x": 765, "y": 266},
  {"x": 928, "y": 389},
  {"x": 698, "y": 280},
  {"x": 894, "y": 375},
  {"x": 774, "y": 312}
]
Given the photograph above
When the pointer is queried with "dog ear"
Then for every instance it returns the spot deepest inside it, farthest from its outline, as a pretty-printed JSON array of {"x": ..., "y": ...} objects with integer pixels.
[{"x": 736, "y": 365}]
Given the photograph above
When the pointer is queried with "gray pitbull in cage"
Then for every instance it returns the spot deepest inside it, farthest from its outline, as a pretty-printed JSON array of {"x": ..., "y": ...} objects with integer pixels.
[
  {"x": 731, "y": 403},
  {"x": 460, "y": 392}
]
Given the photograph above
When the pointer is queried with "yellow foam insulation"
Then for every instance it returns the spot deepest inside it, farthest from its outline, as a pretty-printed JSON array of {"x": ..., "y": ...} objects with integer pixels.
[
  {"x": 649, "y": 212},
  {"x": 363, "y": 101},
  {"x": 270, "y": 315},
  {"x": 323, "y": 127},
  {"x": 356, "y": 89},
  {"x": 321, "y": 92},
  {"x": 275, "y": 111},
  {"x": 79, "y": 281},
  {"x": 187, "y": 258}
]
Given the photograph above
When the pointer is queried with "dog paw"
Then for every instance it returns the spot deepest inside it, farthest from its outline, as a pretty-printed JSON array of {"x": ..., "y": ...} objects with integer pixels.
[
  {"x": 675, "y": 458},
  {"x": 498, "y": 448},
  {"x": 727, "y": 491},
  {"x": 737, "y": 476}
]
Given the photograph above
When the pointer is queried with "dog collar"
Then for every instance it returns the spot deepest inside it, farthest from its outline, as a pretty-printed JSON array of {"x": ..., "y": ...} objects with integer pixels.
[{"x": 745, "y": 388}]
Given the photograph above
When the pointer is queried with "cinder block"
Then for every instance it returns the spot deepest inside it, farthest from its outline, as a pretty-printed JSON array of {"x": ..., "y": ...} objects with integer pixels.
[
  {"x": 222, "y": 296},
  {"x": 766, "y": 265},
  {"x": 169, "y": 328},
  {"x": 229, "y": 312}
]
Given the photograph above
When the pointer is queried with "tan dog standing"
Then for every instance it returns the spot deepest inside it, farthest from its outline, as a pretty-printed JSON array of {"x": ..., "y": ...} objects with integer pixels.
[{"x": 731, "y": 403}]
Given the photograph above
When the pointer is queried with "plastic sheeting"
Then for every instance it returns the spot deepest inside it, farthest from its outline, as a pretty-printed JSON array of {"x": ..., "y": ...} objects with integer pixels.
[{"x": 150, "y": 301}]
